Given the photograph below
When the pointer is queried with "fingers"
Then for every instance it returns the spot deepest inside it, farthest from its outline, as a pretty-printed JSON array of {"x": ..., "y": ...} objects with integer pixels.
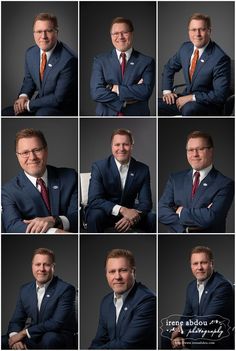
[
  {"x": 123, "y": 225},
  {"x": 19, "y": 105},
  {"x": 169, "y": 98}
]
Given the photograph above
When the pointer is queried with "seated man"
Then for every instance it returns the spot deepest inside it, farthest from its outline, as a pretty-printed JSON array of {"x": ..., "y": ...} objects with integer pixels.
[
  {"x": 42, "y": 198},
  {"x": 44, "y": 317},
  {"x": 51, "y": 71},
  {"x": 206, "y": 70},
  {"x": 119, "y": 190}
]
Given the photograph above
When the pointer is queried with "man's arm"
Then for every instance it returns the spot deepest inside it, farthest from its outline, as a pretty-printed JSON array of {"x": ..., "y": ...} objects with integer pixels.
[
  {"x": 139, "y": 330},
  {"x": 173, "y": 66}
]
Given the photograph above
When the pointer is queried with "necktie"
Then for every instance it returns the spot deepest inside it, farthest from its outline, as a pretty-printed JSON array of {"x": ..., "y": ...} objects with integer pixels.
[
  {"x": 123, "y": 63},
  {"x": 194, "y": 63},
  {"x": 44, "y": 193},
  {"x": 195, "y": 183},
  {"x": 43, "y": 65}
]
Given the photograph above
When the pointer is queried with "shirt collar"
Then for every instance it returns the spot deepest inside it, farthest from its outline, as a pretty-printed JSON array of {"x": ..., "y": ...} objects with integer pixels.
[
  {"x": 204, "y": 282},
  {"x": 201, "y": 50},
  {"x": 128, "y": 54},
  {"x": 44, "y": 285},
  {"x": 34, "y": 179},
  {"x": 118, "y": 164},
  {"x": 203, "y": 172},
  {"x": 48, "y": 53},
  {"x": 124, "y": 295}
]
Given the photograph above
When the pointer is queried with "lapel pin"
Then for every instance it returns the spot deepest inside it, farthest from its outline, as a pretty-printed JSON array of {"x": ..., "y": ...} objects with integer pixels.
[
  {"x": 50, "y": 65},
  {"x": 126, "y": 308},
  {"x": 132, "y": 174},
  {"x": 204, "y": 184},
  {"x": 202, "y": 60},
  {"x": 132, "y": 63},
  {"x": 55, "y": 187},
  {"x": 47, "y": 295},
  {"x": 206, "y": 292}
]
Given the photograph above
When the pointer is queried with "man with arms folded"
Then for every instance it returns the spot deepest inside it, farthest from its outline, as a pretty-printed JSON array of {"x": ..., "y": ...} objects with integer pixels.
[
  {"x": 206, "y": 70},
  {"x": 122, "y": 80},
  {"x": 41, "y": 198},
  {"x": 197, "y": 200},
  {"x": 128, "y": 314}
]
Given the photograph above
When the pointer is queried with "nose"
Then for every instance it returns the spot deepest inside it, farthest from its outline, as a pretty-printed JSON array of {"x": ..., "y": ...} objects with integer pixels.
[
  {"x": 32, "y": 155},
  {"x": 195, "y": 152},
  {"x": 44, "y": 34},
  {"x": 117, "y": 275}
]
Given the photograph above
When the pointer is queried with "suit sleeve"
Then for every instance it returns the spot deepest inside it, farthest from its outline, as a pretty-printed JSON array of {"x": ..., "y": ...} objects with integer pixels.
[
  {"x": 139, "y": 92},
  {"x": 166, "y": 209},
  {"x": 144, "y": 195},
  {"x": 72, "y": 207},
  {"x": 28, "y": 85},
  {"x": 17, "y": 322},
  {"x": 11, "y": 216},
  {"x": 173, "y": 66},
  {"x": 220, "y": 85},
  {"x": 98, "y": 89},
  {"x": 97, "y": 193},
  {"x": 205, "y": 217},
  {"x": 140, "y": 329},
  {"x": 63, "y": 311},
  {"x": 63, "y": 86}
]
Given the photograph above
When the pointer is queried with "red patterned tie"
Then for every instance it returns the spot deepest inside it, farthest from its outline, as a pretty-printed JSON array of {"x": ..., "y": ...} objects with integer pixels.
[
  {"x": 43, "y": 65},
  {"x": 123, "y": 64},
  {"x": 194, "y": 63},
  {"x": 195, "y": 183},
  {"x": 44, "y": 192}
]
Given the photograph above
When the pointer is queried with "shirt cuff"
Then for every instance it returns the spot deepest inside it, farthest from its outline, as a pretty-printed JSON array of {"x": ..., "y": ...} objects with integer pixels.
[
  {"x": 116, "y": 210},
  {"x": 12, "y": 333},
  {"x": 51, "y": 231},
  {"x": 166, "y": 92},
  {"x": 65, "y": 222},
  {"x": 194, "y": 98},
  {"x": 28, "y": 334}
]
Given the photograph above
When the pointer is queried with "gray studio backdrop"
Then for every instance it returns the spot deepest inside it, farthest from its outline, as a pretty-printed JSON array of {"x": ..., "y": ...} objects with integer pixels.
[
  {"x": 95, "y": 135},
  {"x": 16, "y": 265},
  {"x": 172, "y": 28},
  {"x": 172, "y": 134},
  {"x": 93, "y": 284},
  {"x": 95, "y": 20},
  {"x": 17, "y": 37},
  {"x": 174, "y": 272},
  {"x": 61, "y": 135}
]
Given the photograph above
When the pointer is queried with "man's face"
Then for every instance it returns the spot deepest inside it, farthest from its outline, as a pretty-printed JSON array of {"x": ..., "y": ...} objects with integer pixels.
[
  {"x": 199, "y": 34},
  {"x": 121, "y": 148},
  {"x": 198, "y": 154},
  {"x": 35, "y": 163},
  {"x": 44, "y": 35},
  {"x": 42, "y": 269},
  {"x": 121, "y": 37},
  {"x": 120, "y": 276},
  {"x": 201, "y": 266}
]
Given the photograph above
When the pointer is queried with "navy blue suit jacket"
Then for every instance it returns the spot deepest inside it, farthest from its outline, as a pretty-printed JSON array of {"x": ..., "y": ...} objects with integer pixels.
[
  {"x": 211, "y": 79},
  {"x": 217, "y": 299},
  {"x": 106, "y": 70},
  {"x": 59, "y": 88},
  {"x": 105, "y": 189},
  {"x": 57, "y": 311},
  {"x": 136, "y": 325},
  {"x": 21, "y": 200},
  {"x": 215, "y": 188}
]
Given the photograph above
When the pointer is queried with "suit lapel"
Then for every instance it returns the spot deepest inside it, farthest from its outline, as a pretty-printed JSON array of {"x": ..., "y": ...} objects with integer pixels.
[
  {"x": 130, "y": 66},
  {"x": 54, "y": 191},
  {"x": 111, "y": 319},
  {"x": 130, "y": 175},
  {"x": 47, "y": 297},
  {"x": 115, "y": 64},
  {"x": 202, "y": 61},
  {"x": 188, "y": 182},
  {"x": 186, "y": 63},
  {"x": 54, "y": 59},
  {"x": 115, "y": 173},
  {"x": 33, "y": 302},
  {"x": 203, "y": 186}
]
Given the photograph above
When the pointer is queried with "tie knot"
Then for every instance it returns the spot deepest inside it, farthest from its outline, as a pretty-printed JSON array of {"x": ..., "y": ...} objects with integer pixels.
[
  {"x": 196, "y": 52},
  {"x": 44, "y": 56},
  {"x": 123, "y": 55},
  {"x": 196, "y": 175},
  {"x": 40, "y": 181}
]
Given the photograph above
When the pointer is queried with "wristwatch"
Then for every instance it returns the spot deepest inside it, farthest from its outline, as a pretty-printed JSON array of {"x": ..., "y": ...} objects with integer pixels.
[{"x": 58, "y": 222}]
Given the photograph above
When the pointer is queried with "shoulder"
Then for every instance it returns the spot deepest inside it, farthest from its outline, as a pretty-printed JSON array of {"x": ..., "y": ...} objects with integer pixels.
[
  {"x": 143, "y": 57},
  {"x": 219, "y": 280},
  {"x": 221, "y": 178},
  {"x": 14, "y": 183},
  {"x": 62, "y": 285},
  {"x": 139, "y": 165},
  {"x": 32, "y": 50},
  {"x": 67, "y": 51},
  {"x": 61, "y": 171},
  {"x": 104, "y": 163},
  {"x": 187, "y": 45},
  {"x": 216, "y": 50},
  {"x": 141, "y": 291},
  {"x": 105, "y": 55},
  {"x": 180, "y": 175}
]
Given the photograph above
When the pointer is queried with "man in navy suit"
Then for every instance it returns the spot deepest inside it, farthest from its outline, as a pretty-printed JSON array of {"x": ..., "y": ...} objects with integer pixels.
[
  {"x": 41, "y": 198},
  {"x": 199, "y": 199},
  {"x": 122, "y": 80},
  {"x": 209, "y": 306},
  {"x": 44, "y": 317},
  {"x": 53, "y": 77},
  {"x": 128, "y": 314},
  {"x": 206, "y": 70},
  {"x": 119, "y": 190}
]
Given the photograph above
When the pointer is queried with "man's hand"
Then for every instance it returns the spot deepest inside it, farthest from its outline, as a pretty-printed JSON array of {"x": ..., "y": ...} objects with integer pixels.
[
  {"x": 20, "y": 105},
  {"x": 115, "y": 88},
  {"x": 169, "y": 98},
  {"x": 123, "y": 225},
  {"x": 39, "y": 224},
  {"x": 15, "y": 340},
  {"x": 131, "y": 214},
  {"x": 179, "y": 209},
  {"x": 182, "y": 100}
]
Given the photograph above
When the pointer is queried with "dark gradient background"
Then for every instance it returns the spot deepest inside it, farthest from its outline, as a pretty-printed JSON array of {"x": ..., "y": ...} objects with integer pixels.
[
  {"x": 17, "y": 37},
  {"x": 16, "y": 265},
  {"x": 172, "y": 28},
  {"x": 95, "y": 142},
  {"x": 95, "y": 20},
  {"x": 93, "y": 284},
  {"x": 172, "y": 134},
  {"x": 61, "y": 135},
  {"x": 174, "y": 272}
]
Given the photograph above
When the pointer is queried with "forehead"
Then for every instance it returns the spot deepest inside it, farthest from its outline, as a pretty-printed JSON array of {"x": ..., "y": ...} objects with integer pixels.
[
  {"x": 120, "y": 139},
  {"x": 196, "y": 142},
  {"x": 28, "y": 142},
  {"x": 117, "y": 262},
  {"x": 117, "y": 27},
  {"x": 197, "y": 24},
  {"x": 43, "y": 24},
  {"x": 200, "y": 256},
  {"x": 42, "y": 258}
]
